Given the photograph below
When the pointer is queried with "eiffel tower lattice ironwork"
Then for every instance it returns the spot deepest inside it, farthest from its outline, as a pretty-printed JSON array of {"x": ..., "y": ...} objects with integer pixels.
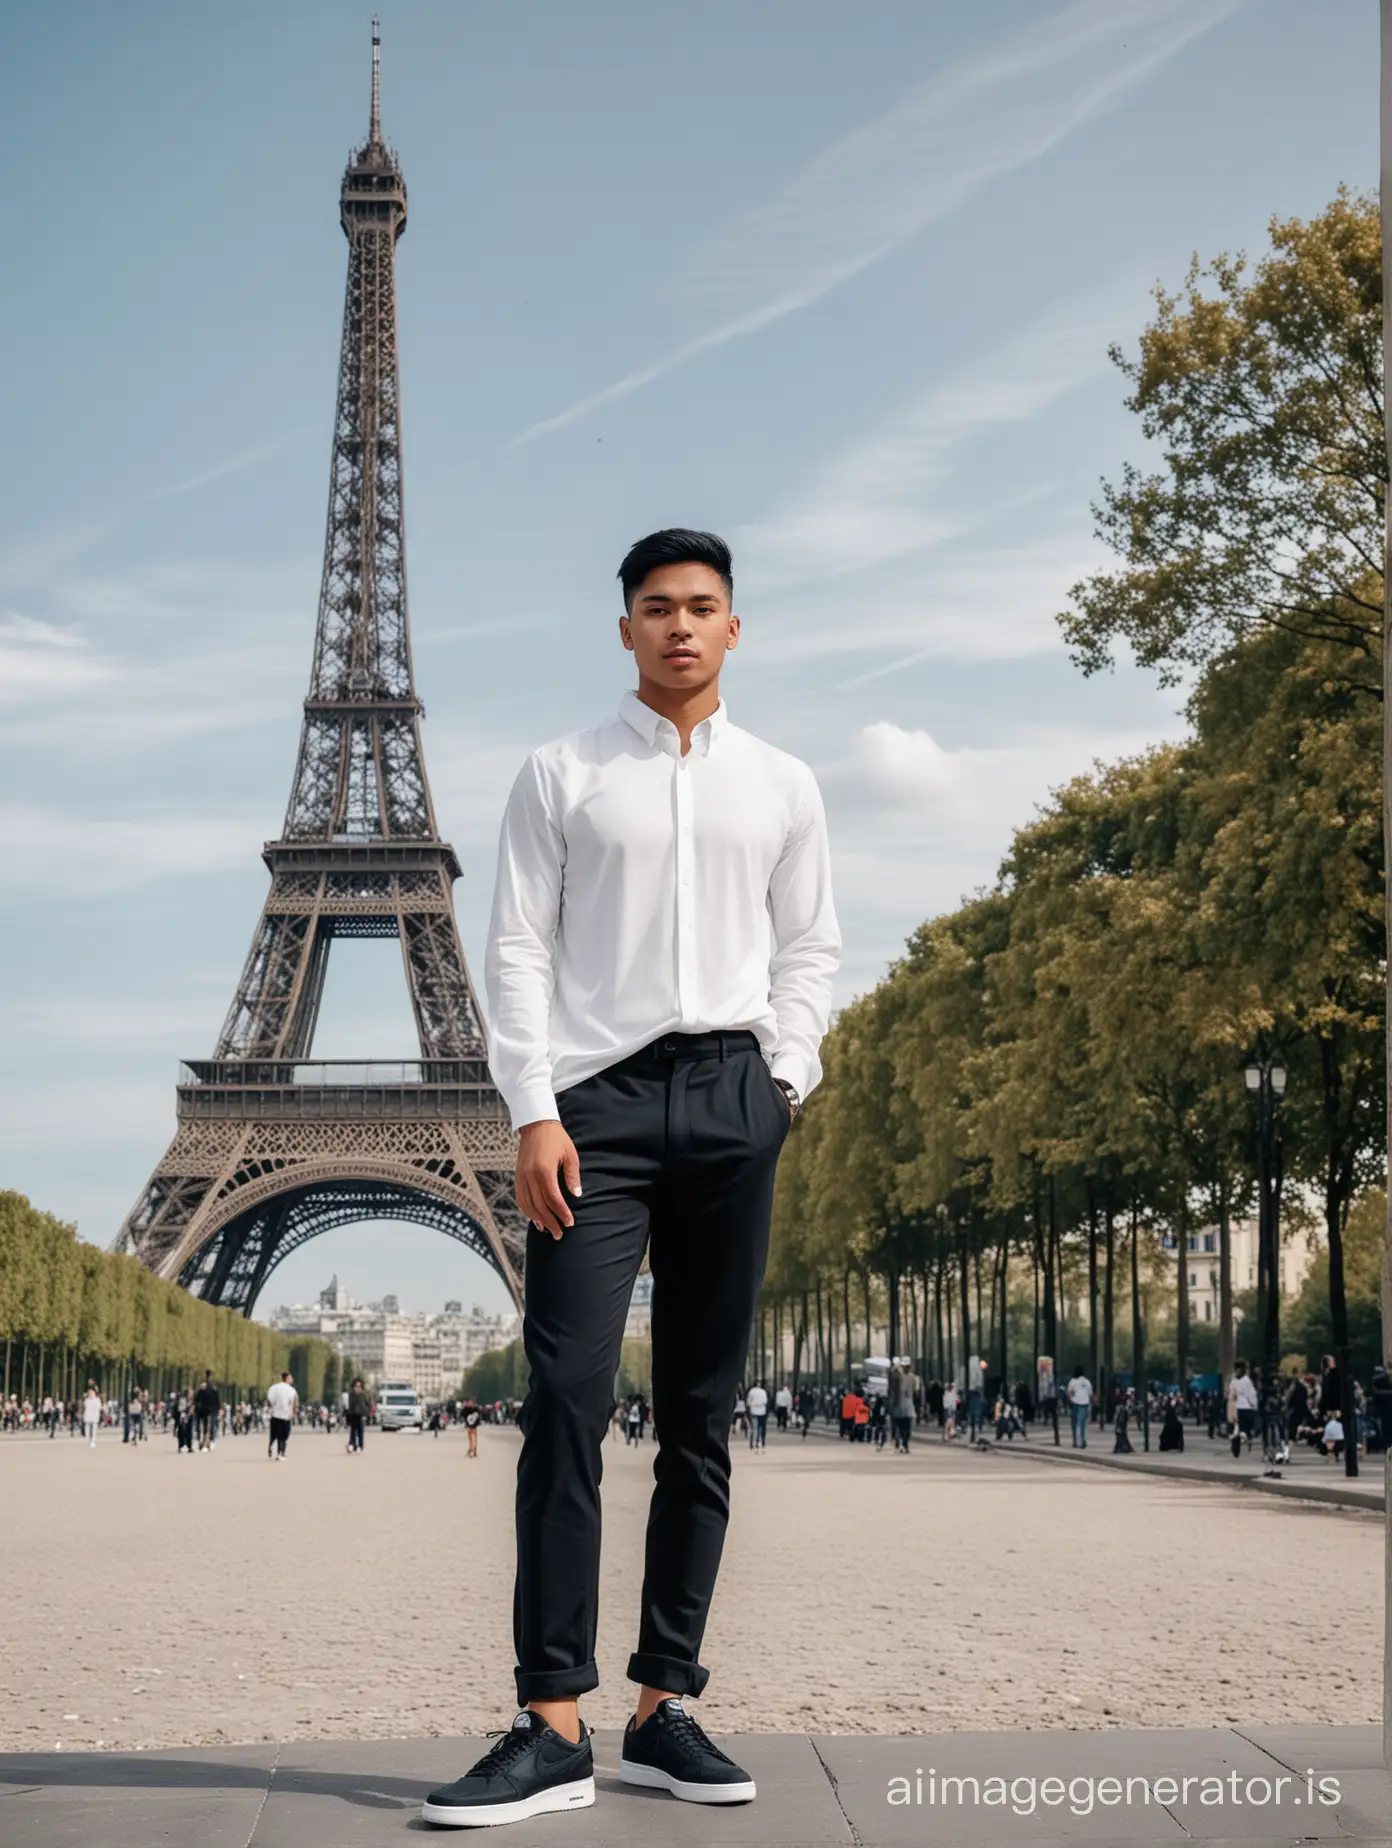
[{"x": 271, "y": 1148}]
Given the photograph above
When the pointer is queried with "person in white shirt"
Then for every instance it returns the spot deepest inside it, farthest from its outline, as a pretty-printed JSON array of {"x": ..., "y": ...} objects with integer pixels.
[
  {"x": 91, "y": 1412},
  {"x": 281, "y": 1400},
  {"x": 1244, "y": 1405},
  {"x": 758, "y": 1416},
  {"x": 783, "y": 1405},
  {"x": 1079, "y": 1395},
  {"x": 659, "y": 973}
]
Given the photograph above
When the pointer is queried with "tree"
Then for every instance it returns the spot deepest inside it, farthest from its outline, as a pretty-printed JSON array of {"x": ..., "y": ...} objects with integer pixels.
[{"x": 1264, "y": 388}]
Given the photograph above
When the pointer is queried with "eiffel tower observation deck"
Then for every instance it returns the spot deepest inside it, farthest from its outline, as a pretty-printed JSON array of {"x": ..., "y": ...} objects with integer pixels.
[{"x": 273, "y": 1148}]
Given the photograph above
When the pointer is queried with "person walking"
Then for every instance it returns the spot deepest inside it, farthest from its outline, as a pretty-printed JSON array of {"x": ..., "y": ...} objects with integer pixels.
[
  {"x": 1079, "y": 1395},
  {"x": 1242, "y": 1407},
  {"x": 356, "y": 1417},
  {"x": 782, "y": 1405},
  {"x": 659, "y": 970},
  {"x": 473, "y": 1418},
  {"x": 758, "y": 1416},
  {"x": 950, "y": 1403},
  {"x": 91, "y": 1413},
  {"x": 903, "y": 1395},
  {"x": 281, "y": 1401},
  {"x": 207, "y": 1403}
]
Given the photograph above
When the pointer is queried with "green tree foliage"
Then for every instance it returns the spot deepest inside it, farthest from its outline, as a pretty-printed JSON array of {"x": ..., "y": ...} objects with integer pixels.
[
  {"x": 1064, "y": 1052},
  {"x": 84, "y": 1310},
  {"x": 1263, "y": 388}
]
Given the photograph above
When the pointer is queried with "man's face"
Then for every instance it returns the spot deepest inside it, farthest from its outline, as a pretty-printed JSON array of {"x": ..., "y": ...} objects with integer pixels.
[{"x": 681, "y": 626}]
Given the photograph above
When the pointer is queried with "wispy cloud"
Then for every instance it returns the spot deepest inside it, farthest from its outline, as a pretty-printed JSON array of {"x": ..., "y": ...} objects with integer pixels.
[
  {"x": 34, "y": 559},
  {"x": 881, "y": 498},
  {"x": 48, "y": 853},
  {"x": 45, "y": 661},
  {"x": 878, "y": 187}
]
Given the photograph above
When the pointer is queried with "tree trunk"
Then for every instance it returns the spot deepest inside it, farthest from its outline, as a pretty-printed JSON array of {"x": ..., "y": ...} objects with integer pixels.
[
  {"x": 1109, "y": 1303},
  {"x": 1138, "y": 1366},
  {"x": 1093, "y": 1355},
  {"x": 1226, "y": 1346},
  {"x": 1182, "y": 1305}
]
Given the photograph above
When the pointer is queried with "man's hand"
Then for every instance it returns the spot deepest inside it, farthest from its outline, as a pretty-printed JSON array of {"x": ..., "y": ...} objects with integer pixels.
[{"x": 547, "y": 1151}]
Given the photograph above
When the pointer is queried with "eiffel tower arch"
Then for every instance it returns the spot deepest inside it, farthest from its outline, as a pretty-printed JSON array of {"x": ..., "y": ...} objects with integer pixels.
[{"x": 273, "y": 1148}]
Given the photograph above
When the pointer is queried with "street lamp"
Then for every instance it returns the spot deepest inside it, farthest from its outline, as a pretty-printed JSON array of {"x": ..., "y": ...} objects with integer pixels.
[{"x": 1265, "y": 1078}]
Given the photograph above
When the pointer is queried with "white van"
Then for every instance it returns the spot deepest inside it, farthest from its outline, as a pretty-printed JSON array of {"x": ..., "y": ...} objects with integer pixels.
[{"x": 398, "y": 1408}]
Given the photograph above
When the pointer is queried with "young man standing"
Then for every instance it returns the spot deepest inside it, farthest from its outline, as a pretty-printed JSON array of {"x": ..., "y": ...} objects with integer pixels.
[
  {"x": 659, "y": 972},
  {"x": 281, "y": 1400}
]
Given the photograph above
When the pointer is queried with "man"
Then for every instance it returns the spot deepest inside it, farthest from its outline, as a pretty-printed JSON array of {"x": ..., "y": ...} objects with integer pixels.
[
  {"x": 1079, "y": 1391},
  {"x": 782, "y": 1405},
  {"x": 281, "y": 1400},
  {"x": 903, "y": 1388},
  {"x": 207, "y": 1403},
  {"x": 1242, "y": 1398},
  {"x": 758, "y": 1416},
  {"x": 659, "y": 971}
]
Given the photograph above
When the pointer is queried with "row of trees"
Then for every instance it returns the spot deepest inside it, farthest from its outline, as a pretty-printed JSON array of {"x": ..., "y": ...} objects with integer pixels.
[
  {"x": 70, "y": 1312},
  {"x": 1050, "y": 1080}
]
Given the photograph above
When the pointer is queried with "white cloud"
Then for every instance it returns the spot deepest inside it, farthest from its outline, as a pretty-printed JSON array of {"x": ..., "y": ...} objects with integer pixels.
[
  {"x": 881, "y": 498},
  {"x": 49, "y": 854},
  {"x": 43, "y": 661},
  {"x": 876, "y": 188},
  {"x": 916, "y": 827},
  {"x": 48, "y": 1113}
]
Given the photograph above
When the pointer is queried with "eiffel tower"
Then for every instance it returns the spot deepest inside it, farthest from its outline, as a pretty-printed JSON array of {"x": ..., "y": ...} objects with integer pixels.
[{"x": 273, "y": 1148}]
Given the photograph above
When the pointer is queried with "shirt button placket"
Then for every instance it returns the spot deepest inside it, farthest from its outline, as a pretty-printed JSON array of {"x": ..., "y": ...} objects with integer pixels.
[{"x": 686, "y": 897}]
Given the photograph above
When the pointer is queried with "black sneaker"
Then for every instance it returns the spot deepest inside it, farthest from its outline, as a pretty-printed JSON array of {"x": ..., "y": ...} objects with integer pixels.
[
  {"x": 529, "y": 1772},
  {"x": 669, "y": 1751}
]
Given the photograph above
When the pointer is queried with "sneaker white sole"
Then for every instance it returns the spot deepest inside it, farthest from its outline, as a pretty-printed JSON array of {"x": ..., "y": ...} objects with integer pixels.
[
  {"x": 653, "y": 1779},
  {"x": 579, "y": 1795}
]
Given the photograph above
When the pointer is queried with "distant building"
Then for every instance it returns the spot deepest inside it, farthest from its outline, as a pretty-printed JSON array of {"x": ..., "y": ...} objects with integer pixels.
[
  {"x": 433, "y": 1352},
  {"x": 1297, "y": 1254}
]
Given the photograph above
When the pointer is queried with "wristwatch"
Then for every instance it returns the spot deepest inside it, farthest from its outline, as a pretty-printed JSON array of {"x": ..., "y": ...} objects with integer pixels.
[{"x": 794, "y": 1101}]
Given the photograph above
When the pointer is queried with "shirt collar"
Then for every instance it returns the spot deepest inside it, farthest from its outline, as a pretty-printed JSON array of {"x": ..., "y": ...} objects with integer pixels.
[{"x": 653, "y": 729}]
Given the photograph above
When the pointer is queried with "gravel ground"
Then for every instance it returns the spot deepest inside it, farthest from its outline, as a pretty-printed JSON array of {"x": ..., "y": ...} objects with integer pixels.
[{"x": 158, "y": 1599}]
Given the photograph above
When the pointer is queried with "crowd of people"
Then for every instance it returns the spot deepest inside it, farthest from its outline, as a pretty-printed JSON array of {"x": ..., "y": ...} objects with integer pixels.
[{"x": 885, "y": 1409}]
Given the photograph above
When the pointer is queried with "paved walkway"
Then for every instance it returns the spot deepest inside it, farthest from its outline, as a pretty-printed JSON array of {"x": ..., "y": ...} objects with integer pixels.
[
  {"x": 816, "y": 1791},
  {"x": 1308, "y": 1476}
]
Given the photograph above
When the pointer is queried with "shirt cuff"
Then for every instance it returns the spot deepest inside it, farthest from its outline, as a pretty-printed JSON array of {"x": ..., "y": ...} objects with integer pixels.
[
  {"x": 536, "y": 1104},
  {"x": 796, "y": 1068}
]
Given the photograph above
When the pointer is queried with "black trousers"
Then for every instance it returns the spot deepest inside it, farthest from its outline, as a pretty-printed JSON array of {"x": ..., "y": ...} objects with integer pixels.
[
  {"x": 678, "y": 1145},
  {"x": 280, "y": 1431}
]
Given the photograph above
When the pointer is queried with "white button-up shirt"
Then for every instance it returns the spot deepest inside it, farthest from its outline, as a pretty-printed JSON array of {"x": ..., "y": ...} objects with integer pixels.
[{"x": 643, "y": 892}]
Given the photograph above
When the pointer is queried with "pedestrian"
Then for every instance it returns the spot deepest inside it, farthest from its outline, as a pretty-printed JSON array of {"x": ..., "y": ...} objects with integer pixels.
[
  {"x": 1332, "y": 1442},
  {"x": 782, "y": 1405},
  {"x": 135, "y": 1417},
  {"x": 281, "y": 1403},
  {"x": 207, "y": 1402},
  {"x": 758, "y": 1416},
  {"x": 903, "y": 1392},
  {"x": 183, "y": 1420},
  {"x": 660, "y": 965},
  {"x": 949, "y": 1411},
  {"x": 356, "y": 1416},
  {"x": 1242, "y": 1407},
  {"x": 91, "y": 1412},
  {"x": 473, "y": 1418},
  {"x": 1123, "y": 1447},
  {"x": 1172, "y": 1429},
  {"x": 1079, "y": 1393}
]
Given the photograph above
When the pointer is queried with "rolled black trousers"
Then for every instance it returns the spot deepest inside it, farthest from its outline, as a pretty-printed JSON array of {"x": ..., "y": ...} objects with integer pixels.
[{"x": 678, "y": 1145}]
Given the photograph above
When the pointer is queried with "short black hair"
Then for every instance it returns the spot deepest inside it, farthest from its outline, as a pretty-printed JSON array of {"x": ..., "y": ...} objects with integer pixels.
[{"x": 675, "y": 545}]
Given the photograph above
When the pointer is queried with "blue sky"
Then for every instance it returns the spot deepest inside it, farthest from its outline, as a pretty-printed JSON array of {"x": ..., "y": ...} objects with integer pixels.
[{"x": 838, "y": 282}]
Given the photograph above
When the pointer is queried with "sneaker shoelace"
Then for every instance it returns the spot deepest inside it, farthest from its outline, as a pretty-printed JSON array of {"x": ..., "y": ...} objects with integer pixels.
[
  {"x": 513, "y": 1741},
  {"x": 688, "y": 1731}
]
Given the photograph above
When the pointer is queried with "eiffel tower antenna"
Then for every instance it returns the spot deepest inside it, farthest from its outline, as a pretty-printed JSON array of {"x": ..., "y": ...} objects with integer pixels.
[
  {"x": 374, "y": 135},
  {"x": 271, "y": 1149}
]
